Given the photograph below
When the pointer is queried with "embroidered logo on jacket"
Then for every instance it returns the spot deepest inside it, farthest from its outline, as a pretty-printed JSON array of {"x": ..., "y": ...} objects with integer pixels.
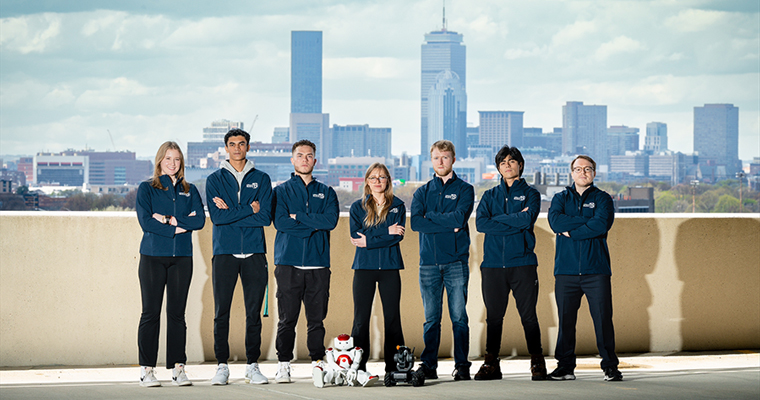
[
  {"x": 452, "y": 196},
  {"x": 184, "y": 194},
  {"x": 254, "y": 185},
  {"x": 394, "y": 210},
  {"x": 589, "y": 205},
  {"x": 519, "y": 198},
  {"x": 318, "y": 195}
]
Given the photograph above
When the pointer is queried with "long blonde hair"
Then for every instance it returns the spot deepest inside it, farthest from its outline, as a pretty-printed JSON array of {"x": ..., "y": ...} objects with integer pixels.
[
  {"x": 160, "y": 154},
  {"x": 373, "y": 216}
]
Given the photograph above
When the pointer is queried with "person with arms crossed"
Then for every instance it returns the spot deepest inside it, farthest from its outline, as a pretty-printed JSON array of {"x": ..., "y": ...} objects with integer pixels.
[
  {"x": 440, "y": 213},
  {"x": 239, "y": 199},
  {"x": 168, "y": 210},
  {"x": 581, "y": 215},
  {"x": 377, "y": 227},
  {"x": 506, "y": 215},
  {"x": 305, "y": 212}
]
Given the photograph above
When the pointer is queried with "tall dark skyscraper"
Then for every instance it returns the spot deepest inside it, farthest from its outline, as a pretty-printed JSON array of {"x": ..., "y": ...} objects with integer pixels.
[
  {"x": 306, "y": 72},
  {"x": 306, "y": 118},
  {"x": 716, "y": 135},
  {"x": 443, "y": 50}
]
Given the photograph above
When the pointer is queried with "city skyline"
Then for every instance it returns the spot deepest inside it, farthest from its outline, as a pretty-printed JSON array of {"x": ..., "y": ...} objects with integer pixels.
[{"x": 149, "y": 75}]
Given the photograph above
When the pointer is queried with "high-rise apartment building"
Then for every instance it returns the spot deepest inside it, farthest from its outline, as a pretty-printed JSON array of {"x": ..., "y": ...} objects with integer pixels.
[
  {"x": 442, "y": 51},
  {"x": 281, "y": 135},
  {"x": 716, "y": 136},
  {"x": 306, "y": 72},
  {"x": 447, "y": 112},
  {"x": 498, "y": 128},
  {"x": 361, "y": 141},
  {"x": 621, "y": 139},
  {"x": 584, "y": 130},
  {"x": 656, "y": 139}
]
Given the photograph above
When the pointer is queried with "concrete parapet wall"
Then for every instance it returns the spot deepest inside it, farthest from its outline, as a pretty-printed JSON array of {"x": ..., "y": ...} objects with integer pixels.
[{"x": 69, "y": 293}]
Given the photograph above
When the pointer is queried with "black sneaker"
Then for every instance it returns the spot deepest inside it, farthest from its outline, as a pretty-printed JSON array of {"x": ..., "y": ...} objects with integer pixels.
[
  {"x": 613, "y": 374},
  {"x": 462, "y": 373},
  {"x": 561, "y": 374},
  {"x": 490, "y": 369},
  {"x": 428, "y": 372}
]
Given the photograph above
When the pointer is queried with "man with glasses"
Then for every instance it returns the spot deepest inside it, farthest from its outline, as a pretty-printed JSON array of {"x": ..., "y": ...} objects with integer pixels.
[{"x": 581, "y": 216}]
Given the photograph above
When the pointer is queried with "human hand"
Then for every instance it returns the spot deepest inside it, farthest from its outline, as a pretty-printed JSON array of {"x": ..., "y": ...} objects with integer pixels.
[
  {"x": 255, "y": 206},
  {"x": 178, "y": 230},
  {"x": 525, "y": 209},
  {"x": 396, "y": 229},
  {"x": 172, "y": 221},
  {"x": 220, "y": 204},
  {"x": 293, "y": 216},
  {"x": 361, "y": 242},
  {"x": 159, "y": 217},
  {"x": 566, "y": 234},
  {"x": 192, "y": 214},
  {"x": 456, "y": 230}
]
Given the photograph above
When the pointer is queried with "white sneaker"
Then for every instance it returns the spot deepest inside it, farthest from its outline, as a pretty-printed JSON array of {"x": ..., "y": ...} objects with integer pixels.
[
  {"x": 318, "y": 373},
  {"x": 283, "y": 372},
  {"x": 179, "y": 377},
  {"x": 148, "y": 377},
  {"x": 253, "y": 375},
  {"x": 222, "y": 375}
]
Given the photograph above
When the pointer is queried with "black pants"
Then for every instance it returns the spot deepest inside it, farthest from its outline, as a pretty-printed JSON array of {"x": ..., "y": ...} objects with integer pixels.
[
  {"x": 294, "y": 286},
  {"x": 389, "y": 284},
  {"x": 569, "y": 289},
  {"x": 253, "y": 277},
  {"x": 157, "y": 273},
  {"x": 497, "y": 283}
]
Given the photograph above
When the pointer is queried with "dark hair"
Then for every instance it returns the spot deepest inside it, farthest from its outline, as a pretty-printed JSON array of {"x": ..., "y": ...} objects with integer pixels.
[
  {"x": 237, "y": 132},
  {"x": 511, "y": 152},
  {"x": 304, "y": 142},
  {"x": 587, "y": 158},
  {"x": 444, "y": 145}
]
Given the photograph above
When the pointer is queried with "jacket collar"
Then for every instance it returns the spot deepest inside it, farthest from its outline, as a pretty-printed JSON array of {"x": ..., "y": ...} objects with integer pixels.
[
  {"x": 437, "y": 179},
  {"x": 166, "y": 181}
]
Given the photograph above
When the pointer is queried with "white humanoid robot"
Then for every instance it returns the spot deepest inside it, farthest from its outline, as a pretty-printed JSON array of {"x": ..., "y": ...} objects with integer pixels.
[{"x": 342, "y": 367}]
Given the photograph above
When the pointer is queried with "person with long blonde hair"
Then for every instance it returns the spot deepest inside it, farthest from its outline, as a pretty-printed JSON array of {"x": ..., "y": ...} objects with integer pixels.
[
  {"x": 377, "y": 222},
  {"x": 168, "y": 210}
]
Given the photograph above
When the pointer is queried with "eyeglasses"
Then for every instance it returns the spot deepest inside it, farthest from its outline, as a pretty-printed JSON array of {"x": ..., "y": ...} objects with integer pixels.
[
  {"x": 374, "y": 179},
  {"x": 578, "y": 170}
]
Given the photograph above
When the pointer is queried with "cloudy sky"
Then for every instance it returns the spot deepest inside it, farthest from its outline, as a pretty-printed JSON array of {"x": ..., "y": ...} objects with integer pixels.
[{"x": 153, "y": 70}]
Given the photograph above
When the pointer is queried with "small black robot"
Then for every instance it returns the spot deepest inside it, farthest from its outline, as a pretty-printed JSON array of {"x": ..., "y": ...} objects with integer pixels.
[{"x": 404, "y": 359}]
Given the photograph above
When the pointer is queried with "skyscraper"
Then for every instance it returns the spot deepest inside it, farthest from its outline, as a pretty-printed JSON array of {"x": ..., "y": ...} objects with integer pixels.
[
  {"x": 656, "y": 139},
  {"x": 716, "y": 135},
  {"x": 447, "y": 112},
  {"x": 306, "y": 72},
  {"x": 306, "y": 118},
  {"x": 443, "y": 50},
  {"x": 584, "y": 130},
  {"x": 620, "y": 139},
  {"x": 498, "y": 128}
]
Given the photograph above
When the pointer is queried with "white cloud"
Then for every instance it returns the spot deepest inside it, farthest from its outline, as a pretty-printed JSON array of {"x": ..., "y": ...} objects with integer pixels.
[
  {"x": 621, "y": 44},
  {"x": 32, "y": 34},
  {"x": 572, "y": 33},
  {"x": 366, "y": 67},
  {"x": 693, "y": 20}
]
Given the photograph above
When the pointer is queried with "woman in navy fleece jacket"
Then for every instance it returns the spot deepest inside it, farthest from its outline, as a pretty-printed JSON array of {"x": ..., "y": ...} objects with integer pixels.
[
  {"x": 168, "y": 209},
  {"x": 377, "y": 227}
]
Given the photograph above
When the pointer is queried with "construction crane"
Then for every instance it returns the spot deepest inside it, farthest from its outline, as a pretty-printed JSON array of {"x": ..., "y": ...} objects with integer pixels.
[
  {"x": 250, "y": 130},
  {"x": 111, "y": 136}
]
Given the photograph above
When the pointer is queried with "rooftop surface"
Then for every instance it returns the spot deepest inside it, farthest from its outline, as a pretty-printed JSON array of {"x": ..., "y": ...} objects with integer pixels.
[{"x": 734, "y": 375}]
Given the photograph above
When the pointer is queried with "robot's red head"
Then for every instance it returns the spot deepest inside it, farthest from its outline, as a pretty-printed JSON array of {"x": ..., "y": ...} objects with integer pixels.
[{"x": 343, "y": 337}]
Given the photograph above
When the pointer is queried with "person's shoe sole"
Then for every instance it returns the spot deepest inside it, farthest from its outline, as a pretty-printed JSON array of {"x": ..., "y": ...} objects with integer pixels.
[
  {"x": 150, "y": 384},
  {"x": 561, "y": 378},
  {"x": 316, "y": 376},
  {"x": 613, "y": 378},
  {"x": 185, "y": 383},
  {"x": 219, "y": 383}
]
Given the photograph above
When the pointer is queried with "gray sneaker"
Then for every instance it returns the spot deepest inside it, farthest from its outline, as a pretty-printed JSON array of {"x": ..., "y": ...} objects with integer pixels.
[
  {"x": 283, "y": 372},
  {"x": 148, "y": 377},
  {"x": 222, "y": 376},
  {"x": 179, "y": 377},
  {"x": 253, "y": 375}
]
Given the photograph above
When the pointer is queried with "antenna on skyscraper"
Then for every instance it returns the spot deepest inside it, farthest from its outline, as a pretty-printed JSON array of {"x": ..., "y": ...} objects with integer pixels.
[{"x": 444, "y": 16}]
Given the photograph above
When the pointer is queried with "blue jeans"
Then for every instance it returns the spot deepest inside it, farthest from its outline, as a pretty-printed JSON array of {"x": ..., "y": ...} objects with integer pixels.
[{"x": 433, "y": 278}]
